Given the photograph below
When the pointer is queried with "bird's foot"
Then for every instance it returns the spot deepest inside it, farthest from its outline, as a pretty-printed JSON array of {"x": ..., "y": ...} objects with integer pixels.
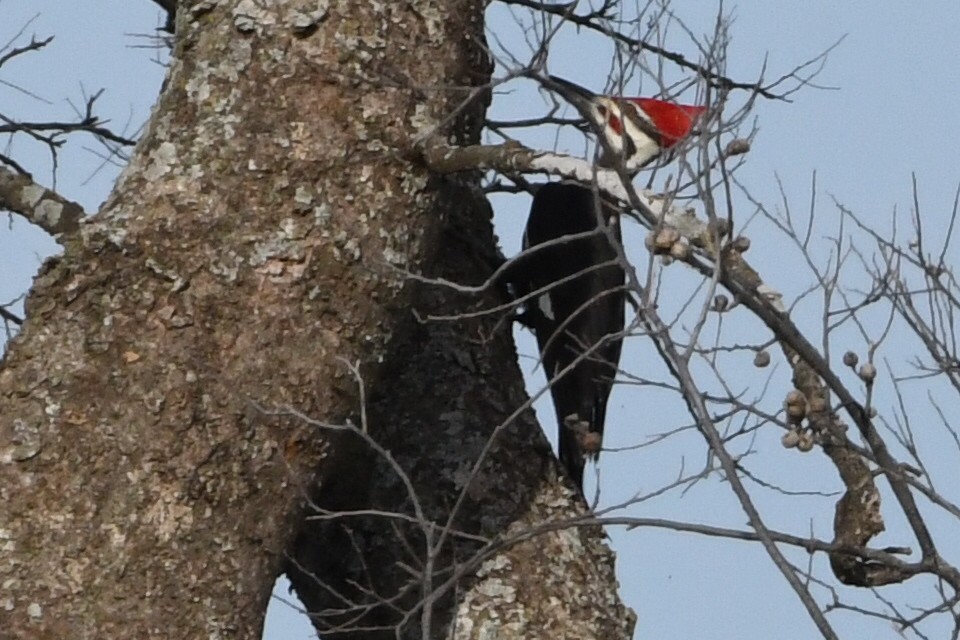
[{"x": 588, "y": 441}]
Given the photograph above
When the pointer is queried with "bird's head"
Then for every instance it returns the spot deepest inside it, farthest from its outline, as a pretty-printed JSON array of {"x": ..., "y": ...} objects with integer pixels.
[{"x": 636, "y": 130}]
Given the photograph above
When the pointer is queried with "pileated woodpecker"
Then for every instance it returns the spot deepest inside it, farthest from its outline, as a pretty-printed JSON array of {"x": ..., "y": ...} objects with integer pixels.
[
  {"x": 636, "y": 130},
  {"x": 577, "y": 286}
]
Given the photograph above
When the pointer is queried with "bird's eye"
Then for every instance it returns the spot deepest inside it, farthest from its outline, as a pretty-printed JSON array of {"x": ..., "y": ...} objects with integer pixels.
[{"x": 602, "y": 110}]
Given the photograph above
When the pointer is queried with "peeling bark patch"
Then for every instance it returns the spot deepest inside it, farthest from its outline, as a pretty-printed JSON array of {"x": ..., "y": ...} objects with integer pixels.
[
  {"x": 162, "y": 161},
  {"x": 32, "y": 194},
  {"x": 49, "y": 212},
  {"x": 26, "y": 442},
  {"x": 433, "y": 17},
  {"x": 168, "y": 516},
  {"x": 304, "y": 21},
  {"x": 250, "y": 16}
]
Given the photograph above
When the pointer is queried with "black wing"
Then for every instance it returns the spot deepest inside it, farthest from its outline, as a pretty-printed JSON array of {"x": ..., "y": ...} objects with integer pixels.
[{"x": 579, "y": 321}]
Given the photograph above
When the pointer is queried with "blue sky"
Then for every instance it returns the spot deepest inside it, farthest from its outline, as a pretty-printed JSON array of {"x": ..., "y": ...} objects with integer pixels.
[{"x": 887, "y": 115}]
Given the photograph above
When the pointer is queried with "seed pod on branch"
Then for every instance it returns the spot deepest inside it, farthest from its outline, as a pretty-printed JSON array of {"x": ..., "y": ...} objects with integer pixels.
[
  {"x": 761, "y": 359},
  {"x": 806, "y": 442},
  {"x": 680, "y": 250},
  {"x": 790, "y": 439},
  {"x": 741, "y": 244},
  {"x": 736, "y": 147},
  {"x": 817, "y": 404},
  {"x": 796, "y": 405},
  {"x": 661, "y": 240}
]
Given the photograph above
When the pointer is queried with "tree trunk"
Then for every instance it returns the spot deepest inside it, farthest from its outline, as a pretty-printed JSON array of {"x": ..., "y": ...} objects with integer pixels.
[{"x": 255, "y": 248}]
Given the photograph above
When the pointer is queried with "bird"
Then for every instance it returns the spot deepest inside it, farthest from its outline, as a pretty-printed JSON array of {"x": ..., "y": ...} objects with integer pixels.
[
  {"x": 636, "y": 130},
  {"x": 571, "y": 274},
  {"x": 575, "y": 290}
]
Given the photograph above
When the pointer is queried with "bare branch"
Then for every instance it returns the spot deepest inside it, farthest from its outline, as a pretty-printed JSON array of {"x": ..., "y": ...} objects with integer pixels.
[
  {"x": 512, "y": 158},
  {"x": 87, "y": 122},
  {"x": 708, "y": 73},
  {"x": 34, "y": 45},
  {"x": 47, "y": 209},
  {"x": 9, "y": 316}
]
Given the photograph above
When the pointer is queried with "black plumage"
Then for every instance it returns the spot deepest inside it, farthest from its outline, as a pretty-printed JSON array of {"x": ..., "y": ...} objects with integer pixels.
[{"x": 578, "y": 314}]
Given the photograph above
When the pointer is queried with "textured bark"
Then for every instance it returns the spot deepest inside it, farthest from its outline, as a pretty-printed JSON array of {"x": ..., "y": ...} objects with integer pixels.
[
  {"x": 243, "y": 257},
  {"x": 449, "y": 389}
]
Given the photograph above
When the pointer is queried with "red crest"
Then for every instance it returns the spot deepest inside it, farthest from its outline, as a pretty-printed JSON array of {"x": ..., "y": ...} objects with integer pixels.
[{"x": 673, "y": 121}]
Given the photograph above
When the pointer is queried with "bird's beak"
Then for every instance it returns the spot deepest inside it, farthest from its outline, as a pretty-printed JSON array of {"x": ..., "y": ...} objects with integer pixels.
[{"x": 573, "y": 93}]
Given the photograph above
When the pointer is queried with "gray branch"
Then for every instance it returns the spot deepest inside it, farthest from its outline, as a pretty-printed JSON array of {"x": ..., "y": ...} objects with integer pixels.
[
  {"x": 512, "y": 158},
  {"x": 45, "y": 208}
]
